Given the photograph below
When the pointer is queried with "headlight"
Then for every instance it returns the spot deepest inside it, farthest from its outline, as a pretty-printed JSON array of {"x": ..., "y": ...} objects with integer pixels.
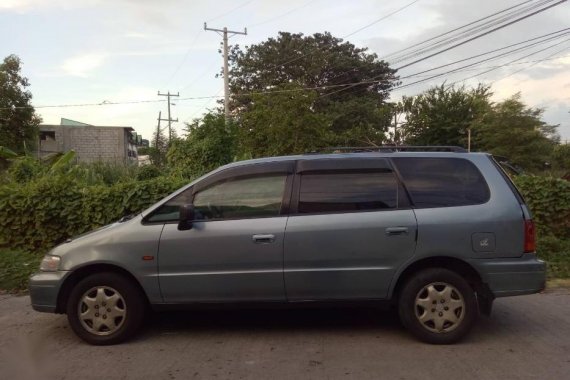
[{"x": 50, "y": 263}]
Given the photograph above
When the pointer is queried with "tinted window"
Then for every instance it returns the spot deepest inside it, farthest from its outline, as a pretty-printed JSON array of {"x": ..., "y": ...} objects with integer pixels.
[
  {"x": 442, "y": 182},
  {"x": 332, "y": 192},
  {"x": 251, "y": 197},
  {"x": 170, "y": 210}
]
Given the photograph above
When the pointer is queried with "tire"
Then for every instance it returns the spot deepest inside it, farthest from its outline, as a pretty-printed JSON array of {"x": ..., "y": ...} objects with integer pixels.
[
  {"x": 106, "y": 308},
  {"x": 444, "y": 322}
]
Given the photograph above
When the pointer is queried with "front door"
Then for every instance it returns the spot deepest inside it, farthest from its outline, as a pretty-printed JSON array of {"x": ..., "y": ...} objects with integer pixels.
[{"x": 234, "y": 250}]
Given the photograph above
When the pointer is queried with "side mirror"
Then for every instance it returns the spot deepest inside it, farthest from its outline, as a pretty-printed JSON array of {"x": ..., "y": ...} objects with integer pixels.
[{"x": 186, "y": 217}]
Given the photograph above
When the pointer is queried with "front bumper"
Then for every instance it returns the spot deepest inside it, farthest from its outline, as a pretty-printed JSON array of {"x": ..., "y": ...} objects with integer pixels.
[
  {"x": 513, "y": 276},
  {"x": 44, "y": 289}
]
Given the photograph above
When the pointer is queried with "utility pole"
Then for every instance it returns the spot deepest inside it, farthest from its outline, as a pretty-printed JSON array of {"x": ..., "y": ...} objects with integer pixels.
[
  {"x": 224, "y": 33},
  {"x": 158, "y": 129},
  {"x": 469, "y": 139},
  {"x": 170, "y": 120}
]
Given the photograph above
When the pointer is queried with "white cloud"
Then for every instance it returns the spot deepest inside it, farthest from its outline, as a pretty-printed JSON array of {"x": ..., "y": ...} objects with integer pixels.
[
  {"x": 30, "y": 5},
  {"x": 137, "y": 35},
  {"x": 82, "y": 65}
]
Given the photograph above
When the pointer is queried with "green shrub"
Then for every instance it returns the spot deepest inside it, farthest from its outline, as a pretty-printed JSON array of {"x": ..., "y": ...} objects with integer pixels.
[
  {"x": 556, "y": 253},
  {"x": 38, "y": 215},
  {"x": 24, "y": 169},
  {"x": 16, "y": 267},
  {"x": 148, "y": 172},
  {"x": 549, "y": 201}
]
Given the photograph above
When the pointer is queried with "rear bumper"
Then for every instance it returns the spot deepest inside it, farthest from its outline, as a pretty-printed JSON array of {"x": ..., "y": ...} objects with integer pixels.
[
  {"x": 513, "y": 276},
  {"x": 44, "y": 289}
]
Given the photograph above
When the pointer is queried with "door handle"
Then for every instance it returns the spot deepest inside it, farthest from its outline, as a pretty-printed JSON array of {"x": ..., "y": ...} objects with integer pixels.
[
  {"x": 392, "y": 231},
  {"x": 263, "y": 239}
]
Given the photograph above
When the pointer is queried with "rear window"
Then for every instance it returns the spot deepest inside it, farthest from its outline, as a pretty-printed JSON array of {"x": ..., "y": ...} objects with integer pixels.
[
  {"x": 442, "y": 182},
  {"x": 508, "y": 180}
]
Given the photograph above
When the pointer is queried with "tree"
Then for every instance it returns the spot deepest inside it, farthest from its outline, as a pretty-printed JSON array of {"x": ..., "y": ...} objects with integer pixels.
[
  {"x": 18, "y": 120},
  {"x": 328, "y": 67},
  {"x": 561, "y": 157},
  {"x": 159, "y": 147},
  {"x": 209, "y": 143},
  {"x": 442, "y": 115},
  {"x": 284, "y": 123},
  {"x": 517, "y": 132}
]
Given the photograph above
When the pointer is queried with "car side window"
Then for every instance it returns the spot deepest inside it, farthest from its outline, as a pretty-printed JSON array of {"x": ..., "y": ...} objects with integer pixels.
[
  {"x": 245, "y": 197},
  {"x": 347, "y": 191},
  {"x": 442, "y": 182},
  {"x": 170, "y": 210}
]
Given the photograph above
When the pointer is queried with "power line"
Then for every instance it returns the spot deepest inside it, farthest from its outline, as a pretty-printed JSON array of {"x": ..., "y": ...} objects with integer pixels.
[
  {"x": 230, "y": 11},
  {"x": 194, "y": 40},
  {"x": 518, "y": 59},
  {"x": 497, "y": 66},
  {"x": 206, "y": 103},
  {"x": 461, "y": 43},
  {"x": 463, "y": 68},
  {"x": 169, "y": 120},
  {"x": 548, "y": 57},
  {"x": 495, "y": 19},
  {"x": 282, "y": 15},
  {"x": 482, "y": 34},
  {"x": 557, "y": 34},
  {"x": 224, "y": 32},
  {"x": 356, "y": 31},
  {"x": 457, "y": 69},
  {"x": 381, "y": 19},
  {"x": 453, "y": 30}
]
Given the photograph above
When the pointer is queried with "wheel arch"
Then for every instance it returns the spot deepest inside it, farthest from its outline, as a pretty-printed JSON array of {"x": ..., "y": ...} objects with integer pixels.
[
  {"x": 80, "y": 273},
  {"x": 454, "y": 264}
]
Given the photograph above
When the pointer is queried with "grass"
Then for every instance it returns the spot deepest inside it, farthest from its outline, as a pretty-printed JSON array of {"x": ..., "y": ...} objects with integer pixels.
[{"x": 15, "y": 269}]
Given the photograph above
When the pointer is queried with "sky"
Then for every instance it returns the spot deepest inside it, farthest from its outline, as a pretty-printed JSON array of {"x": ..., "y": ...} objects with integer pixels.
[{"x": 100, "y": 51}]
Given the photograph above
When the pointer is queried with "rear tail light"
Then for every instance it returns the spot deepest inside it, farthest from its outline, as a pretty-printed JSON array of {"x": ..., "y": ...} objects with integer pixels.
[{"x": 529, "y": 236}]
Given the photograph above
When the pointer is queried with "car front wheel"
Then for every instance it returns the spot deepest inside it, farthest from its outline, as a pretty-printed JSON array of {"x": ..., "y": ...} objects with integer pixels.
[
  {"x": 438, "y": 306},
  {"x": 105, "y": 308}
]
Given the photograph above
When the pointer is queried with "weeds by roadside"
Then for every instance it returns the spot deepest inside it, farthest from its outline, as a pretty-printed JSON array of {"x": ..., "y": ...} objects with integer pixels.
[{"x": 15, "y": 269}]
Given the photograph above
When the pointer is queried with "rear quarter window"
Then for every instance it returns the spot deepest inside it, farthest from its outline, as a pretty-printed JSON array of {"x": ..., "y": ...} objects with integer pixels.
[{"x": 442, "y": 182}]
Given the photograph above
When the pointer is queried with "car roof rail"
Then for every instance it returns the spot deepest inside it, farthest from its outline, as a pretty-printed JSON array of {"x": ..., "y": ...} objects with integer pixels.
[{"x": 390, "y": 148}]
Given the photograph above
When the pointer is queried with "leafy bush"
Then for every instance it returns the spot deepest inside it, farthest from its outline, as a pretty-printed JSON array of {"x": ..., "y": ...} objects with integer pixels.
[
  {"x": 209, "y": 144},
  {"x": 556, "y": 253},
  {"x": 41, "y": 214},
  {"x": 16, "y": 267},
  {"x": 148, "y": 172},
  {"x": 24, "y": 169},
  {"x": 549, "y": 201}
]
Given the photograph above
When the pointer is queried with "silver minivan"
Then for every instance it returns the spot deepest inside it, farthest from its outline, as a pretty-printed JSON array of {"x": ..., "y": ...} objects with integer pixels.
[{"x": 437, "y": 234}]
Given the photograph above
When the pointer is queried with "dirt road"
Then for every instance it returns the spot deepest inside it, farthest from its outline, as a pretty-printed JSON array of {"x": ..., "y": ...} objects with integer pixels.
[{"x": 526, "y": 338}]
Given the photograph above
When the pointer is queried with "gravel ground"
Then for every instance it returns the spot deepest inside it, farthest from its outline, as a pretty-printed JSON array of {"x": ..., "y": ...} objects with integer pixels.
[{"x": 526, "y": 337}]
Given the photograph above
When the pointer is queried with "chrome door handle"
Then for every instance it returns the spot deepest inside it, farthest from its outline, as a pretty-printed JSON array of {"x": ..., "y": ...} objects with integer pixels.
[
  {"x": 263, "y": 239},
  {"x": 392, "y": 231}
]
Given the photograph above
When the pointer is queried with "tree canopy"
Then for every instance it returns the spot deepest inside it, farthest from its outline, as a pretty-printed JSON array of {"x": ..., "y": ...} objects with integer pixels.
[
  {"x": 442, "y": 114},
  {"x": 18, "y": 120},
  {"x": 209, "y": 143},
  {"x": 514, "y": 130},
  {"x": 283, "y": 123},
  {"x": 324, "y": 65}
]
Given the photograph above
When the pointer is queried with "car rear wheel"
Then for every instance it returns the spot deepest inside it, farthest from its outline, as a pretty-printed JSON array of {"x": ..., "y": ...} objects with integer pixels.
[
  {"x": 105, "y": 308},
  {"x": 438, "y": 306}
]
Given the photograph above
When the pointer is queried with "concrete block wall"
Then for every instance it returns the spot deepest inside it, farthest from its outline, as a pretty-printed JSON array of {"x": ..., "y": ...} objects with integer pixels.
[
  {"x": 90, "y": 143},
  {"x": 96, "y": 143}
]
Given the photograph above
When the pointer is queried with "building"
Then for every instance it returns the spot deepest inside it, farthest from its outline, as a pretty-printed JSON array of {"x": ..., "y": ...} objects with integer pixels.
[{"x": 90, "y": 142}]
